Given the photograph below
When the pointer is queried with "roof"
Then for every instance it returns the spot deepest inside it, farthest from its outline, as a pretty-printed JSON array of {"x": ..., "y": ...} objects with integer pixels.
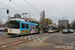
[{"x": 17, "y": 19}]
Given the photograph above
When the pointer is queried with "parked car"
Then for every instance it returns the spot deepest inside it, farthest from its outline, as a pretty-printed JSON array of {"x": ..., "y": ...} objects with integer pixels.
[
  {"x": 67, "y": 31},
  {"x": 71, "y": 30},
  {"x": 1, "y": 29},
  {"x": 5, "y": 29}
]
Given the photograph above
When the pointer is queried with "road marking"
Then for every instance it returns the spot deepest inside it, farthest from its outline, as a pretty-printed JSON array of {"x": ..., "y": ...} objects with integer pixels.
[
  {"x": 37, "y": 35},
  {"x": 25, "y": 37},
  {"x": 21, "y": 38},
  {"x": 29, "y": 38},
  {"x": 72, "y": 44},
  {"x": 4, "y": 46},
  {"x": 16, "y": 47},
  {"x": 15, "y": 43},
  {"x": 43, "y": 39},
  {"x": 2, "y": 38},
  {"x": 17, "y": 37},
  {"x": 39, "y": 40},
  {"x": 33, "y": 38}
]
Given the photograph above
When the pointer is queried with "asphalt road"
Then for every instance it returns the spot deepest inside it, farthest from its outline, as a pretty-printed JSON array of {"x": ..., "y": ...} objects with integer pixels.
[
  {"x": 3, "y": 34},
  {"x": 44, "y": 41}
]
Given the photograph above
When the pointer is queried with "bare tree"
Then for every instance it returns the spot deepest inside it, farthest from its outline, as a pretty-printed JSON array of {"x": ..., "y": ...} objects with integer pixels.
[
  {"x": 1, "y": 22},
  {"x": 61, "y": 27},
  {"x": 73, "y": 24},
  {"x": 69, "y": 26}
]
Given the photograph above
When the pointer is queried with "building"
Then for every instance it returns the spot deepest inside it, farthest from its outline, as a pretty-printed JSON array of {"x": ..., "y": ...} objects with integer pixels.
[
  {"x": 63, "y": 23},
  {"x": 42, "y": 15}
]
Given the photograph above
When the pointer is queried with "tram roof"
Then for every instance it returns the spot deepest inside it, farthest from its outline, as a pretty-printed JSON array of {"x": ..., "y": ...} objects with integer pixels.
[
  {"x": 17, "y": 19},
  {"x": 29, "y": 22}
]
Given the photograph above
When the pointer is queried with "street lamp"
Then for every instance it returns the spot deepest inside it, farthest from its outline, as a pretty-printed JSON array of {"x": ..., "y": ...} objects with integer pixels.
[{"x": 24, "y": 14}]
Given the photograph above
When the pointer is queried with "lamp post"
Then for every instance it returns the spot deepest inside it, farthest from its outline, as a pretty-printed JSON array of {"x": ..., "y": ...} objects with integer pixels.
[{"x": 25, "y": 16}]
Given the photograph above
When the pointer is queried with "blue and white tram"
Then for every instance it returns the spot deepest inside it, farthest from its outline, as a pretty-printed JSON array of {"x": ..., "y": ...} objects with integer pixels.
[{"x": 21, "y": 27}]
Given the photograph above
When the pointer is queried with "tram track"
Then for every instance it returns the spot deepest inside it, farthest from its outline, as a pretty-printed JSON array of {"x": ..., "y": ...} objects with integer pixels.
[
  {"x": 18, "y": 40},
  {"x": 2, "y": 38},
  {"x": 7, "y": 41},
  {"x": 10, "y": 44},
  {"x": 3, "y": 46}
]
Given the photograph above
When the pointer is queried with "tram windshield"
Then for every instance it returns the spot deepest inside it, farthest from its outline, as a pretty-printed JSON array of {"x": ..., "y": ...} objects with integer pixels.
[
  {"x": 50, "y": 28},
  {"x": 14, "y": 24}
]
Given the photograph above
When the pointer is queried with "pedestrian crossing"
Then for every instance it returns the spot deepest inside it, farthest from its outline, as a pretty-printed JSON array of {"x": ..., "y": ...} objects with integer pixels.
[{"x": 39, "y": 38}]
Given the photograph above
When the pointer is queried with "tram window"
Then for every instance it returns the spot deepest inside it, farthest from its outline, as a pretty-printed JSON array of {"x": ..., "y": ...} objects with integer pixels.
[
  {"x": 23, "y": 25},
  {"x": 14, "y": 24},
  {"x": 36, "y": 27},
  {"x": 27, "y": 25}
]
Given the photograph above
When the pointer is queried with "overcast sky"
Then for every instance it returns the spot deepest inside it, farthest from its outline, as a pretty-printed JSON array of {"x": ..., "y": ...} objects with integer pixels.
[{"x": 54, "y": 9}]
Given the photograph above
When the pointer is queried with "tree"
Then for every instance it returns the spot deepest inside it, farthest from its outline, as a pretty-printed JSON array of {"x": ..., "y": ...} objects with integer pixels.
[
  {"x": 54, "y": 24},
  {"x": 69, "y": 26},
  {"x": 61, "y": 27},
  {"x": 73, "y": 24},
  {"x": 1, "y": 22},
  {"x": 46, "y": 21}
]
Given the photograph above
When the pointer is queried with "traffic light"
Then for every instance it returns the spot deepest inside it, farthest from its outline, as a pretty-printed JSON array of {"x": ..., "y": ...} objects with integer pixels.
[{"x": 7, "y": 11}]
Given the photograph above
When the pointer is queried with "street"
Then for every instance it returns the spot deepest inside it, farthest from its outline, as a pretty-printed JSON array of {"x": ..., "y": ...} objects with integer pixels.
[
  {"x": 3, "y": 34},
  {"x": 43, "y": 41}
]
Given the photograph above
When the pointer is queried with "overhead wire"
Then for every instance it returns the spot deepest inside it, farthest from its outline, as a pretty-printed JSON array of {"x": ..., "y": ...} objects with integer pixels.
[
  {"x": 10, "y": 7},
  {"x": 21, "y": 7},
  {"x": 32, "y": 6}
]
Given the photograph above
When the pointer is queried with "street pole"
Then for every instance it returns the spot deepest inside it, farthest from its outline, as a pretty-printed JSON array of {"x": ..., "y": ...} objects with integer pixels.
[{"x": 23, "y": 15}]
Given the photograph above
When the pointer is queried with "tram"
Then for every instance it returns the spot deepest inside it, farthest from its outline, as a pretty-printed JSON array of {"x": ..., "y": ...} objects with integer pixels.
[
  {"x": 22, "y": 27},
  {"x": 52, "y": 29}
]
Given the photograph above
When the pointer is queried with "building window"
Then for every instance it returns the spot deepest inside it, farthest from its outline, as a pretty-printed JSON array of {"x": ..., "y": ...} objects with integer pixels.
[{"x": 23, "y": 25}]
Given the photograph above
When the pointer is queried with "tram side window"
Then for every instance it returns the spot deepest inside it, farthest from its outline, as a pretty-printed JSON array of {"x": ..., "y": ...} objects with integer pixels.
[
  {"x": 27, "y": 25},
  {"x": 23, "y": 25},
  {"x": 36, "y": 26}
]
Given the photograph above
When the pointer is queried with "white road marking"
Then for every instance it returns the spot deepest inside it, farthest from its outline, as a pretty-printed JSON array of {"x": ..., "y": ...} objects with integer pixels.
[
  {"x": 21, "y": 38},
  {"x": 43, "y": 39},
  {"x": 17, "y": 37},
  {"x": 39, "y": 40},
  {"x": 29, "y": 38},
  {"x": 33, "y": 38},
  {"x": 4, "y": 46},
  {"x": 46, "y": 37},
  {"x": 16, "y": 47},
  {"x": 25, "y": 37},
  {"x": 37, "y": 35}
]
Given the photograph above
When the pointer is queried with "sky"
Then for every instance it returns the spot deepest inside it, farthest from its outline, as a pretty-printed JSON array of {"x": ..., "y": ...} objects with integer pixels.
[{"x": 54, "y": 9}]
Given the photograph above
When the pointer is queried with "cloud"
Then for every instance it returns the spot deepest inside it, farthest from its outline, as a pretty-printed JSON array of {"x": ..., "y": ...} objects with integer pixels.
[{"x": 54, "y": 9}]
